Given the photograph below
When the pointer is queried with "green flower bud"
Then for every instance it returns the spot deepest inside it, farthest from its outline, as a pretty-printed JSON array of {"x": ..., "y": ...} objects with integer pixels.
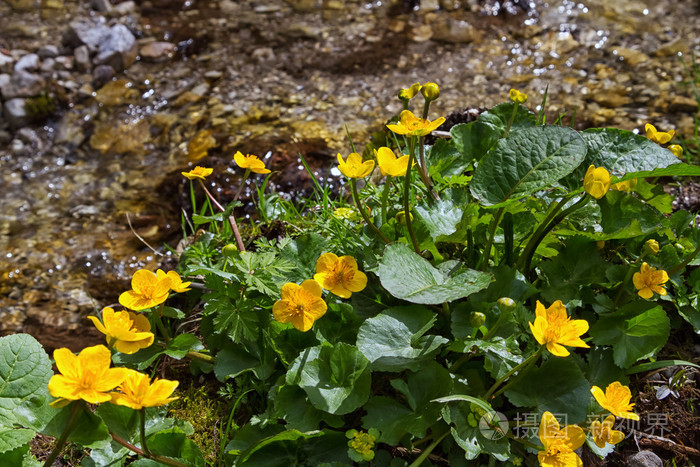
[
  {"x": 651, "y": 246},
  {"x": 430, "y": 91},
  {"x": 506, "y": 304},
  {"x": 229, "y": 250},
  {"x": 477, "y": 319}
]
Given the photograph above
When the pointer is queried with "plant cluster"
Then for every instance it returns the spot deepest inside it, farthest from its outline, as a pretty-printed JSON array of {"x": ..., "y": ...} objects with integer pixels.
[{"x": 471, "y": 302}]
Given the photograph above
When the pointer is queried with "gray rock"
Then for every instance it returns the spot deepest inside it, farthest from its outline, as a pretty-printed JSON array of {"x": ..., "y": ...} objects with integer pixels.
[
  {"x": 103, "y": 6},
  {"x": 28, "y": 62},
  {"x": 645, "y": 459},
  {"x": 47, "y": 51},
  {"x": 82, "y": 58},
  {"x": 157, "y": 51},
  {"x": 4, "y": 82},
  {"x": 118, "y": 49},
  {"x": 27, "y": 135},
  {"x": 124, "y": 8},
  {"x": 22, "y": 84},
  {"x": 6, "y": 63},
  {"x": 48, "y": 65},
  {"x": 86, "y": 32},
  {"x": 17, "y": 147},
  {"x": 14, "y": 113},
  {"x": 65, "y": 62},
  {"x": 101, "y": 75}
]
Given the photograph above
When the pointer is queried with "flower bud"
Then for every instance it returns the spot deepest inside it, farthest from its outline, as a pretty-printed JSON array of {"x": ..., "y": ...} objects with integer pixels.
[
  {"x": 505, "y": 304},
  {"x": 401, "y": 217},
  {"x": 229, "y": 250},
  {"x": 596, "y": 182},
  {"x": 406, "y": 94},
  {"x": 676, "y": 149},
  {"x": 651, "y": 246},
  {"x": 517, "y": 96},
  {"x": 430, "y": 91},
  {"x": 477, "y": 319}
]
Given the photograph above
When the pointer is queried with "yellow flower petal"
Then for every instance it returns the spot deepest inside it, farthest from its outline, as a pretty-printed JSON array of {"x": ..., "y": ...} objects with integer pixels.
[
  {"x": 250, "y": 162},
  {"x": 300, "y": 305},
  {"x": 198, "y": 172},
  {"x": 596, "y": 182},
  {"x": 555, "y": 329}
]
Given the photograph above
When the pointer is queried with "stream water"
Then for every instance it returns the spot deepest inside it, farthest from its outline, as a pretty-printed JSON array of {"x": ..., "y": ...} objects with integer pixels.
[{"x": 277, "y": 78}]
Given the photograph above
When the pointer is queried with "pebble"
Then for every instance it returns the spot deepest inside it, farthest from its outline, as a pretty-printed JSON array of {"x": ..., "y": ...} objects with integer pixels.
[
  {"x": 157, "y": 51},
  {"x": 14, "y": 113},
  {"x": 22, "y": 84},
  {"x": 103, "y": 6},
  {"x": 118, "y": 49},
  {"x": 6, "y": 63},
  {"x": 101, "y": 75},
  {"x": 47, "y": 51},
  {"x": 82, "y": 58},
  {"x": 29, "y": 62},
  {"x": 645, "y": 459}
]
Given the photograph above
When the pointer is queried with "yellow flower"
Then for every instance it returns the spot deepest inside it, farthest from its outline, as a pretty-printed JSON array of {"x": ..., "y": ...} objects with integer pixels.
[
  {"x": 362, "y": 443},
  {"x": 627, "y": 185},
  {"x": 517, "y": 96},
  {"x": 559, "y": 444},
  {"x": 649, "y": 280},
  {"x": 616, "y": 399},
  {"x": 401, "y": 217},
  {"x": 85, "y": 376},
  {"x": 406, "y": 94},
  {"x": 430, "y": 91},
  {"x": 176, "y": 284},
  {"x": 555, "y": 329},
  {"x": 596, "y": 181},
  {"x": 339, "y": 275},
  {"x": 411, "y": 125},
  {"x": 354, "y": 167},
  {"x": 125, "y": 330},
  {"x": 651, "y": 246},
  {"x": 148, "y": 290},
  {"x": 198, "y": 172},
  {"x": 346, "y": 213},
  {"x": 676, "y": 149},
  {"x": 603, "y": 432},
  {"x": 389, "y": 164},
  {"x": 250, "y": 162},
  {"x": 138, "y": 392},
  {"x": 658, "y": 136},
  {"x": 300, "y": 304}
]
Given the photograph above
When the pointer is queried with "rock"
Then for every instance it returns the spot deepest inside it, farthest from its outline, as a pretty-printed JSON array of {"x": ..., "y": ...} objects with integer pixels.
[
  {"x": 22, "y": 84},
  {"x": 28, "y": 62},
  {"x": 119, "y": 48},
  {"x": 70, "y": 130},
  {"x": 611, "y": 99},
  {"x": 630, "y": 56},
  {"x": 48, "y": 65},
  {"x": 47, "y": 51},
  {"x": 6, "y": 63},
  {"x": 14, "y": 112},
  {"x": 82, "y": 58},
  {"x": 86, "y": 32},
  {"x": 16, "y": 147},
  {"x": 101, "y": 75},
  {"x": 213, "y": 74},
  {"x": 28, "y": 136},
  {"x": 453, "y": 30},
  {"x": 157, "y": 51},
  {"x": 4, "y": 82},
  {"x": 645, "y": 459},
  {"x": 124, "y": 8},
  {"x": 103, "y": 6},
  {"x": 305, "y": 6},
  {"x": 683, "y": 104},
  {"x": 65, "y": 62}
]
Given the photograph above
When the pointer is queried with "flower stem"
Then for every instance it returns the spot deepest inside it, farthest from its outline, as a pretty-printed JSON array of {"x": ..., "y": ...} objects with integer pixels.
[
  {"x": 160, "y": 325},
  {"x": 246, "y": 174},
  {"x": 142, "y": 416},
  {"x": 424, "y": 455},
  {"x": 406, "y": 194},
  {"x": 70, "y": 425},
  {"x": 683, "y": 263},
  {"x": 423, "y": 170},
  {"x": 365, "y": 217},
  {"x": 200, "y": 356},
  {"x": 231, "y": 219},
  {"x": 524, "y": 365},
  {"x": 162, "y": 459},
  {"x": 512, "y": 118},
  {"x": 492, "y": 233},
  {"x": 385, "y": 197}
]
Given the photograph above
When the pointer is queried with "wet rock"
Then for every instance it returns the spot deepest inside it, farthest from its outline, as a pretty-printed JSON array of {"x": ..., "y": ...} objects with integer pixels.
[
  {"x": 101, "y": 75},
  {"x": 157, "y": 51},
  {"x": 645, "y": 459},
  {"x": 69, "y": 130},
  {"x": 454, "y": 31},
  {"x": 22, "y": 84},
  {"x": 86, "y": 32},
  {"x": 65, "y": 62},
  {"x": 6, "y": 62},
  {"x": 124, "y": 8},
  {"x": 103, "y": 6},
  {"x": 28, "y": 62},
  {"x": 611, "y": 99},
  {"x": 630, "y": 56},
  {"x": 48, "y": 65},
  {"x": 82, "y": 58},
  {"x": 47, "y": 51},
  {"x": 17, "y": 147},
  {"x": 683, "y": 104},
  {"x": 420, "y": 33},
  {"x": 305, "y": 5},
  {"x": 116, "y": 93},
  {"x": 15, "y": 113},
  {"x": 4, "y": 82},
  {"x": 118, "y": 49}
]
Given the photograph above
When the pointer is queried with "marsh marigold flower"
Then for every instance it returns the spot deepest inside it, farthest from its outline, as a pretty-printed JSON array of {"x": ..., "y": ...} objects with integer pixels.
[
  {"x": 410, "y": 125},
  {"x": 555, "y": 329},
  {"x": 361, "y": 444},
  {"x": 676, "y": 149},
  {"x": 430, "y": 91},
  {"x": 354, "y": 167},
  {"x": 651, "y": 246},
  {"x": 250, "y": 162},
  {"x": 176, "y": 284},
  {"x": 339, "y": 275},
  {"x": 559, "y": 444},
  {"x": 517, "y": 96},
  {"x": 300, "y": 305},
  {"x": 137, "y": 391},
  {"x": 603, "y": 432},
  {"x": 616, "y": 400},
  {"x": 406, "y": 94},
  {"x": 596, "y": 181},
  {"x": 85, "y": 376},
  {"x": 389, "y": 164},
  {"x": 148, "y": 290},
  {"x": 649, "y": 280},
  {"x": 659, "y": 137},
  {"x": 626, "y": 186},
  {"x": 198, "y": 172},
  {"x": 125, "y": 330}
]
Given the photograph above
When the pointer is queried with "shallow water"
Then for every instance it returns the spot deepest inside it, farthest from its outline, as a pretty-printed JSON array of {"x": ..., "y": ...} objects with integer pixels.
[{"x": 277, "y": 78}]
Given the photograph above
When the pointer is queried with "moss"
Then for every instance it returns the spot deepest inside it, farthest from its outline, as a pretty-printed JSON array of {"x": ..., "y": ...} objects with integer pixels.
[
  {"x": 206, "y": 414},
  {"x": 40, "y": 107}
]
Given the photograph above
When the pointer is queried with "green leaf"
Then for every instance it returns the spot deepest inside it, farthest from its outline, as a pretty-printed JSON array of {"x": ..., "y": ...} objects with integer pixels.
[
  {"x": 336, "y": 378},
  {"x": 175, "y": 444},
  {"x": 394, "y": 419},
  {"x": 475, "y": 438},
  {"x": 111, "y": 455},
  {"x": 235, "y": 359},
  {"x": 500, "y": 115},
  {"x": 20, "y": 457},
  {"x": 558, "y": 386},
  {"x": 406, "y": 275},
  {"x": 601, "y": 369},
  {"x": 473, "y": 140},
  {"x": 527, "y": 161},
  {"x": 13, "y": 438},
  {"x": 178, "y": 347},
  {"x": 445, "y": 159},
  {"x": 291, "y": 404},
  {"x": 440, "y": 217},
  {"x": 501, "y": 354},
  {"x": 141, "y": 359},
  {"x": 90, "y": 431},
  {"x": 303, "y": 252},
  {"x": 394, "y": 340},
  {"x": 644, "y": 367},
  {"x": 25, "y": 371},
  {"x": 624, "y": 216},
  {"x": 292, "y": 447},
  {"x": 635, "y": 332}
]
